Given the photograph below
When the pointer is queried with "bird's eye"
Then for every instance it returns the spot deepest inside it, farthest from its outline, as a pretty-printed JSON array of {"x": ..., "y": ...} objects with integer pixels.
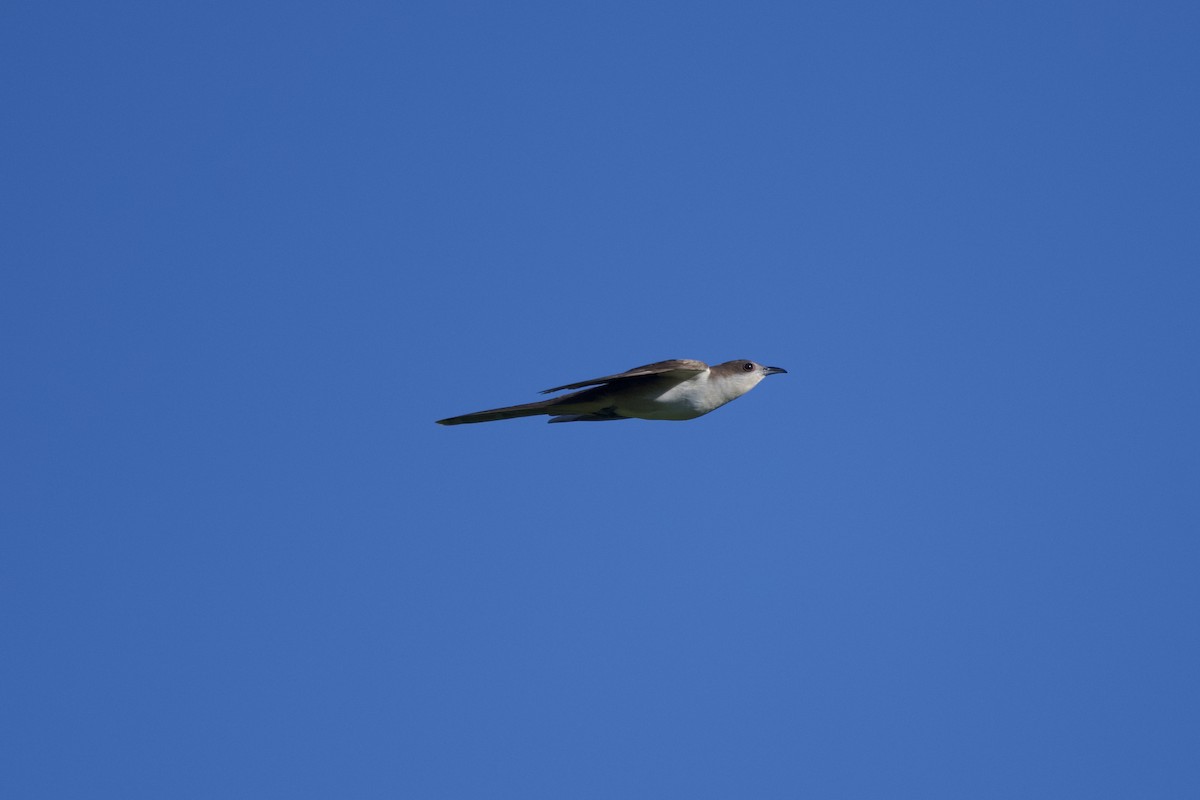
[{"x": 748, "y": 366}]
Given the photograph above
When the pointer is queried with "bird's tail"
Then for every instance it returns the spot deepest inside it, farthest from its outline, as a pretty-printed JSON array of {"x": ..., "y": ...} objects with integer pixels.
[{"x": 508, "y": 412}]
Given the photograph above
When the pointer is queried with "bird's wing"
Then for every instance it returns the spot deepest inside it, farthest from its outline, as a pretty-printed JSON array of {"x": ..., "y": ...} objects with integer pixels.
[{"x": 680, "y": 368}]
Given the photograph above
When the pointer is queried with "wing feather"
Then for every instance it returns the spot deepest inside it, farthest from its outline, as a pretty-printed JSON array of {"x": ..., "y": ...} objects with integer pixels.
[{"x": 679, "y": 368}]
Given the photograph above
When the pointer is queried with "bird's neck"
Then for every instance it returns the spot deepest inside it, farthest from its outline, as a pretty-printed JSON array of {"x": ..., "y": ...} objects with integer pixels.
[{"x": 721, "y": 388}]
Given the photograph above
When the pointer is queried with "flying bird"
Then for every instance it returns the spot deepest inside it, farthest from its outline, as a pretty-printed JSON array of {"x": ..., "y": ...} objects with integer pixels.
[{"x": 678, "y": 389}]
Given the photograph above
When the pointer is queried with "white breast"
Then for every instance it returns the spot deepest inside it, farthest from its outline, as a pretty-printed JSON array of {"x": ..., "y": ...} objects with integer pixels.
[{"x": 694, "y": 397}]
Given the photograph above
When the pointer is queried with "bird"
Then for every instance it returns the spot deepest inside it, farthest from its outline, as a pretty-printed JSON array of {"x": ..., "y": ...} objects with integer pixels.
[{"x": 679, "y": 389}]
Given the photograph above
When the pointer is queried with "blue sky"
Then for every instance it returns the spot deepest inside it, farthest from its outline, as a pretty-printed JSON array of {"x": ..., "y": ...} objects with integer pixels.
[{"x": 252, "y": 252}]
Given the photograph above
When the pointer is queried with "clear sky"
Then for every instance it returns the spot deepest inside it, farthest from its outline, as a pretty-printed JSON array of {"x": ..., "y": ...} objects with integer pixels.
[{"x": 251, "y": 251}]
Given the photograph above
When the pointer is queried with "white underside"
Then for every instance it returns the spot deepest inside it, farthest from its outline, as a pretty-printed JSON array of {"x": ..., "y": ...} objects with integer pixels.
[{"x": 669, "y": 399}]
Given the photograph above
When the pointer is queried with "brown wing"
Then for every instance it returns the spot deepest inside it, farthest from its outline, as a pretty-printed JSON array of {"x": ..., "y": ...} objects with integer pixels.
[{"x": 679, "y": 368}]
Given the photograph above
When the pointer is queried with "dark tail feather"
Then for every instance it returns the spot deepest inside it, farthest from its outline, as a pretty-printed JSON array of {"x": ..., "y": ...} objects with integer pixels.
[
  {"x": 508, "y": 412},
  {"x": 599, "y": 416}
]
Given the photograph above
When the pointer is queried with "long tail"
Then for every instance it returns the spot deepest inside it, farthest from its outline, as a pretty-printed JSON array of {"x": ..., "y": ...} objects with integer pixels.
[{"x": 508, "y": 412}]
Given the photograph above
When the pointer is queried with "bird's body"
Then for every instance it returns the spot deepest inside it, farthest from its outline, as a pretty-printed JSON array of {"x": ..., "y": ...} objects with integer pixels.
[{"x": 671, "y": 390}]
